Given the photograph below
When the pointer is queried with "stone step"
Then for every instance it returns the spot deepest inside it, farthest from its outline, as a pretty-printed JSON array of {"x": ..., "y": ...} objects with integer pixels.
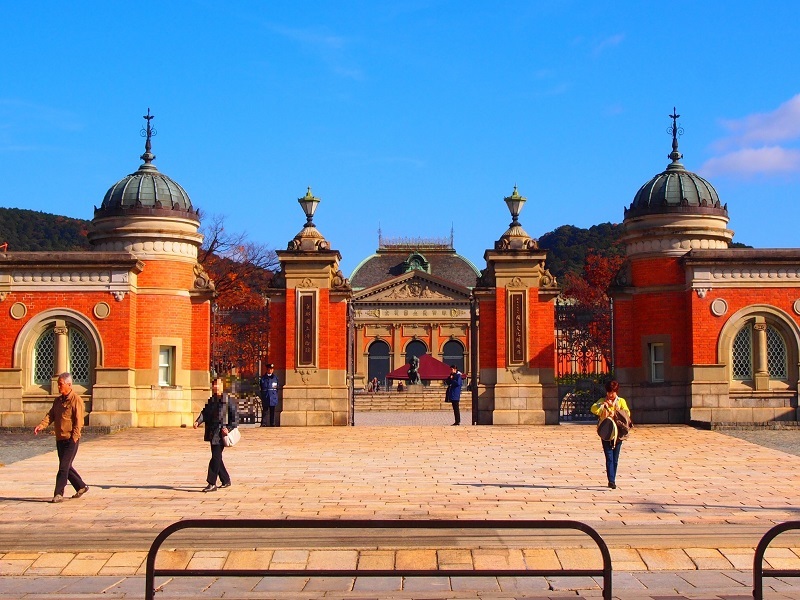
[{"x": 401, "y": 401}]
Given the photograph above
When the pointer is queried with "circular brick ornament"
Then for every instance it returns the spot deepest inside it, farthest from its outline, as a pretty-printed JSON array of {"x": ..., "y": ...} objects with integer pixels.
[
  {"x": 719, "y": 307},
  {"x": 796, "y": 306},
  {"x": 102, "y": 310},
  {"x": 18, "y": 310}
]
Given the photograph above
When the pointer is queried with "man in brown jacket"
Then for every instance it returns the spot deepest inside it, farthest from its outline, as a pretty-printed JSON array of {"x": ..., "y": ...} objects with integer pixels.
[{"x": 67, "y": 418}]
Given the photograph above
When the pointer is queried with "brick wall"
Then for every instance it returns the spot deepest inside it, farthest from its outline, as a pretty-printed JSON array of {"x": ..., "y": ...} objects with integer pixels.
[
  {"x": 665, "y": 270},
  {"x": 487, "y": 347},
  {"x": 707, "y": 327},
  {"x": 541, "y": 331},
  {"x": 277, "y": 334},
  {"x": 115, "y": 331}
]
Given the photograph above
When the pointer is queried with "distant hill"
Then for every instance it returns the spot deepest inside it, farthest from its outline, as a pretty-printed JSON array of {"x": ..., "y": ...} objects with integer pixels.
[
  {"x": 568, "y": 245},
  {"x": 34, "y": 231}
]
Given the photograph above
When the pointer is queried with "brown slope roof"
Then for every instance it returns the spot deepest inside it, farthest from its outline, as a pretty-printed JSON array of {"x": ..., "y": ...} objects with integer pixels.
[{"x": 384, "y": 265}]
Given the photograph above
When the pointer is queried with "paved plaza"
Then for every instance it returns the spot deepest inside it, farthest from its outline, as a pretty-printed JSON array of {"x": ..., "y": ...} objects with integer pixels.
[{"x": 688, "y": 512}]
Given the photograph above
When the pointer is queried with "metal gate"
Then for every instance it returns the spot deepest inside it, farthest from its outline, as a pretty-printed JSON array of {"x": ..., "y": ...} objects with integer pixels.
[
  {"x": 239, "y": 340},
  {"x": 583, "y": 357}
]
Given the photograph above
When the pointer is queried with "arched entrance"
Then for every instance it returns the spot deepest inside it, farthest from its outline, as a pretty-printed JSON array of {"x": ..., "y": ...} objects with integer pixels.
[
  {"x": 415, "y": 348},
  {"x": 453, "y": 354},
  {"x": 379, "y": 363}
]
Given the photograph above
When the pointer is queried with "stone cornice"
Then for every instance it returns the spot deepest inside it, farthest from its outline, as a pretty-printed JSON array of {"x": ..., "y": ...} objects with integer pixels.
[
  {"x": 732, "y": 275},
  {"x": 114, "y": 280},
  {"x": 62, "y": 261}
]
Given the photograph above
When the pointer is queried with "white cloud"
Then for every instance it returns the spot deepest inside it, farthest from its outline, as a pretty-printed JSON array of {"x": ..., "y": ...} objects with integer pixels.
[
  {"x": 780, "y": 125},
  {"x": 759, "y": 144},
  {"x": 609, "y": 42},
  {"x": 331, "y": 48},
  {"x": 748, "y": 162}
]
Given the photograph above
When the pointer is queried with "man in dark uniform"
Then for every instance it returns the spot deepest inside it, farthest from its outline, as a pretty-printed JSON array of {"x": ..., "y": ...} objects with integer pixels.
[{"x": 269, "y": 395}]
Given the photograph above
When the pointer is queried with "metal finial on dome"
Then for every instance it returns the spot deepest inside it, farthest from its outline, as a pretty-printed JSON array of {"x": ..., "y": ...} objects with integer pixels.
[
  {"x": 148, "y": 132},
  {"x": 675, "y": 131}
]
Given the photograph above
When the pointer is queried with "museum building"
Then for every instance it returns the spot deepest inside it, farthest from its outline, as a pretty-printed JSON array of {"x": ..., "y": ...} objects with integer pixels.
[
  {"x": 411, "y": 298},
  {"x": 702, "y": 332},
  {"x": 129, "y": 319}
]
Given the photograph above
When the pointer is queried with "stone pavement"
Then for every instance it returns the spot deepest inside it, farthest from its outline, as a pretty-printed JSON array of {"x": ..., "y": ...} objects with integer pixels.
[{"x": 690, "y": 507}]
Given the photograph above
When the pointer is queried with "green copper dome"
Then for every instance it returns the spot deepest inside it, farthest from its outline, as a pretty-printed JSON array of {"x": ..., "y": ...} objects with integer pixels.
[
  {"x": 147, "y": 189},
  {"x": 676, "y": 190}
]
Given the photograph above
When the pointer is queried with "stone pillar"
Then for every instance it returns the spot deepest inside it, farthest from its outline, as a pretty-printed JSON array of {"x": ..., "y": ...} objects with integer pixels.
[
  {"x": 62, "y": 353},
  {"x": 517, "y": 331},
  {"x": 761, "y": 374},
  {"x": 398, "y": 358},
  {"x": 435, "y": 350},
  {"x": 313, "y": 318}
]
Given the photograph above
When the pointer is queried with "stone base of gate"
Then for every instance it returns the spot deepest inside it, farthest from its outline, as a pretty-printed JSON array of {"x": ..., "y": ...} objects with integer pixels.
[
  {"x": 314, "y": 407},
  {"x": 517, "y": 404}
]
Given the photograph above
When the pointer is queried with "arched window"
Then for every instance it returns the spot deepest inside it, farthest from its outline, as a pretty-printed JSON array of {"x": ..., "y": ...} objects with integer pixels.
[
  {"x": 453, "y": 354},
  {"x": 53, "y": 339},
  {"x": 776, "y": 354},
  {"x": 44, "y": 358},
  {"x": 742, "y": 354},
  {"x": 378, "y": 364},
  {"x": 747, "y": 352},
  {"x": 79, "y": 359},
  {"x": 415, "y": 348}
]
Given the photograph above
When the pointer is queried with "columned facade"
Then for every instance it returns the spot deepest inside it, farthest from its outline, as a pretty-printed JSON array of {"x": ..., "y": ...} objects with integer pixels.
[{"x": 411, "y": 297}]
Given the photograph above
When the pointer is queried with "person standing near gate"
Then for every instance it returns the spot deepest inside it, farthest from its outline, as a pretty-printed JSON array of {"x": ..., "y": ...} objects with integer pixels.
[
  {"x": 453, "y": 392},
  {"x": 269, "y": 395},
  {"x": 66, "y": 415}
]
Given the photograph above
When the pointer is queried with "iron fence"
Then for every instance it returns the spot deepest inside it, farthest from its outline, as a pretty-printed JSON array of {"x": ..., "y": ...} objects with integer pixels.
[{"x": 399, "y": 527}]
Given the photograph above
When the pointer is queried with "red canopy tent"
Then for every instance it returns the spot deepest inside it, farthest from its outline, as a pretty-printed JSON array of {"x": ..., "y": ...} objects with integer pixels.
[{"x": 429, "y": 368}]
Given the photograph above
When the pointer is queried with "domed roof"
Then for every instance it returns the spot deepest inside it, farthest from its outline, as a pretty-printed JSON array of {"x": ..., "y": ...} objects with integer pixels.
[
  {"x": 676, "y": 189},
  {"x": 147, "y": 188}
]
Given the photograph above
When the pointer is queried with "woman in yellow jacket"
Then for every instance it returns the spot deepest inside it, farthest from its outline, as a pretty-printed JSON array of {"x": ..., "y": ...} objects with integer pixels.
[{"x": 602, "y": 408}]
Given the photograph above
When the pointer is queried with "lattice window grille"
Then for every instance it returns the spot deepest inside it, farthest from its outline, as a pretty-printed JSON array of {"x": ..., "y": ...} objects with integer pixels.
[
  {"x": 742, "y": 353},
  {"x": 776, "y": 355},
  {"x": 79, "y": 359},
  {"x": 44, "y": 358}
]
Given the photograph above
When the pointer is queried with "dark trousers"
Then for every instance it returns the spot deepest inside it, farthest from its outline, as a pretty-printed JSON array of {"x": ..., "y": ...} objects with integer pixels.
[
  {"x": 216, "y": 468},
  {"x": 612, "y": 458},
  {"x": 265, "y": 406},
  {"x": 457, "y": 413},
  {"x": 67, "y": 449}
]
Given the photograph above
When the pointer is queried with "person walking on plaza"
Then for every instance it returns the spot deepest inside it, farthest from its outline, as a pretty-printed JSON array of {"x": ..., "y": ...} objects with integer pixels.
[
  {"x": 604, "y": 408},
  {"x": 66, "y": 415},
  {"x": 219, "y": 416},
  {"x": 453, "y": 392},
  {"x": 269, "y": 395}
]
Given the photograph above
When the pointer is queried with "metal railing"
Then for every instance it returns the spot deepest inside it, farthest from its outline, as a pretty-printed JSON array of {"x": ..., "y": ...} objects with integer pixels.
[
  {"x": 365, "y": 524},
  {"x": 759, "y": 572}
]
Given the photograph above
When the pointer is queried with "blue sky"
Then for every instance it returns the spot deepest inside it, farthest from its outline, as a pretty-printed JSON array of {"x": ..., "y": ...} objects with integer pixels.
[{"x": 412, "y": 116}]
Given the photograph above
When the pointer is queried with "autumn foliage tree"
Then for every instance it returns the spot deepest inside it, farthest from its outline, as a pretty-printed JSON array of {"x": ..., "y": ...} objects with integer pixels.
[
  {"x": 241, "y": 270},
  {"x": 588, "y": 293}
]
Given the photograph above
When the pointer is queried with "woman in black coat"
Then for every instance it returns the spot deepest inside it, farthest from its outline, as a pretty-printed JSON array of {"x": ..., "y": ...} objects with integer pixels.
[{"x": 219, "y": 416}]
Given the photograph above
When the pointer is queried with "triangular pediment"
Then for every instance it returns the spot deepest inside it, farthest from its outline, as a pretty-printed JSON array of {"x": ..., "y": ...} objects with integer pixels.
[{"x": 414, "y": 286}]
